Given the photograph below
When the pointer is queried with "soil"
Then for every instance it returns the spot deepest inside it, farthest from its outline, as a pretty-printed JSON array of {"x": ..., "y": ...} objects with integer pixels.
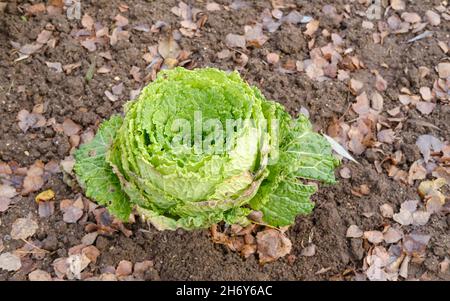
[{"x": 183, "y": 255}]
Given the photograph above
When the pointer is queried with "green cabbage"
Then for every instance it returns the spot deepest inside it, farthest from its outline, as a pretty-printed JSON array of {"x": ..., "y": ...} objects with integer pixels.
[{"x": 202, "y": 146}]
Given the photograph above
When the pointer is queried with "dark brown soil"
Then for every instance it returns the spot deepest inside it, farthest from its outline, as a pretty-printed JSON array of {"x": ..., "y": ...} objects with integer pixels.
[{"x": 183, "y": 255}]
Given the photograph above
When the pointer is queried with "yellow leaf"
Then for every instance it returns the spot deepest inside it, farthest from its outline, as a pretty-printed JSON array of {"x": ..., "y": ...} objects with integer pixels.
[{"x": 45, "y": 196}]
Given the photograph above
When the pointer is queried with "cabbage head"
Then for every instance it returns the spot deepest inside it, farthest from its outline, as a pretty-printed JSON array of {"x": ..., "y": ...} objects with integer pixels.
[{"x": 202, "y": 146}]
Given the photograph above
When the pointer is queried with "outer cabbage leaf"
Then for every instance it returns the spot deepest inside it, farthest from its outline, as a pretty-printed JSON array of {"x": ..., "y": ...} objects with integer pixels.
[
  {"x": 303, "y": 154},
  {"x": 95, "y": 174}
]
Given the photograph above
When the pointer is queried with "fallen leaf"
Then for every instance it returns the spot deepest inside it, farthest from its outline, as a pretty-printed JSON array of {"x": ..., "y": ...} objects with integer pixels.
[
  {"x": 70, "y": 67},
  {"x": 398, "y": 4},
  {"x": 386, "y": 136},
  {"x": 254, "y": 35},
  {"x": 4, "y": 204},
  {"x": 121, "y": 21},
  {"x": 75, "y": 265},
  {"x": 420, "y": 218},
  {"x": 29, "y": 120},
  {"x": 87, "y": 22},
  {"x": 354, "y": 232},
  {"x": 404, "y": 217},
  {"x": 425, "y": 92},
  {"x": 355, "y": 85},
  {"x": 392, "y": 235},
  {"x": 10, "y": 262},
  {"x": 411, "y": 17},
  {"x": 36, "y": 9},
  {"x": 311, "y": 27},
  {"x": 33, "y": 181},
  {"x": 7, "y": 191},
  {"x": 431, "y": 189},
  {"x": 46, "y": 209},
  {"x": 425, "y": 107},
  {"x": 124, "y": 268},
  {"x": 39, "y": 275},
  {"x": 44, "y": 36},
  {"x": 235, "y": 41},
  {"x": 433, "y": 18},
  {"x": 22, "y": 228},
  {"x": 428, "y": 143},
  {"x": 361, "y": 106},
  {"x": 91, "y": 252},
  {"x": 272, "y": 244},
  {"x": 89, "y": 239},
  {"x": 142, "y": 28},
  {"x": 380, "y": 83},
  {"x": 72, "y": 214},
  {"x": 70, "y": 127},
  {"x": 45, "y": 196},
  {"x": 415, "y": 244},
  {"x": 29, "y": 49},
  {"x": 374, "y": 237},
  {"x": 213, "y": 6},
  {"x": 386, "y": 211},
  {"x": 443, "y": 70},
  {"x": 135, "y": 73},
  {"x": 89, "y": 44},
  {"x": 377, "y": 101}
]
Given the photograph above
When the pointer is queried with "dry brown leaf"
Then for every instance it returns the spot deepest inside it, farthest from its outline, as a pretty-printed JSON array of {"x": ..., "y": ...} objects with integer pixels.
[
  {"x": 386, "y": 211},
  {"x": 87, "y": 22},
  {"x": 444, "y": 70},
  {"x": 392, "y": 235},
  {"x": 254, "y": 35},
  {"x": 311, "y": 27},
  {"x": 354, "y": 232},
  {"x": 44, "y": 36},
  {"x": 121, "y": 21},
  {"x": 70, "y": 127},
  {"x": 428, "y": 143},
  {"x": 425, "y": 107},
  {"x": 374, "y": 237},
  {"x": 35, "y": 9},
  {"x": 272, "y": 244},
  {"x": 361, "y": 106},
  {"x": 433, "y": 18},
  {"x": 39, "y": 275},
  {"x": 10, "y": 262},
  {"x": 46, "y": 209},
  {"x": 22, "y": 228},
  {"x": 386, "y": 136},
  {"x": 29, "y": 120},
  {"x": 235, "y": 41},
  {"x": 213, "y": 6},
  {"x": 398, "y": 4},
  {"x": 355, "y": 86},
  {"x": 377, "y": 101},
  {"x": 124, "y": 268},
  {"x": 411, "y": 17},
  {"x": 33, "y": 180},
  {"x": 431, "y": 189},
  {"x": 416, "y": 172}
]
